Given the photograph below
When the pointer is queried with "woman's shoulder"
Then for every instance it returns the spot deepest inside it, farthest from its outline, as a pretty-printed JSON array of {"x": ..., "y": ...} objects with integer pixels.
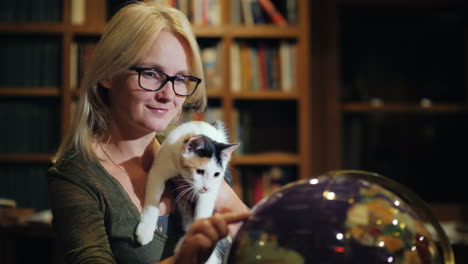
[
  {"x": 70, "y": 159},
  {"x": 74, "y": 166}
]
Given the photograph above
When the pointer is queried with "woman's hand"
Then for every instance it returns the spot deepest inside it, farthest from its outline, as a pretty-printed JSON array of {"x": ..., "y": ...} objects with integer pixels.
[{"x": 203, "y": 235}]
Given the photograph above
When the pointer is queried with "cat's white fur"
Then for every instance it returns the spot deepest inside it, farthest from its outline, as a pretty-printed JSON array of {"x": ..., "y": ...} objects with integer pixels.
[{"x": 167, "y": 164}]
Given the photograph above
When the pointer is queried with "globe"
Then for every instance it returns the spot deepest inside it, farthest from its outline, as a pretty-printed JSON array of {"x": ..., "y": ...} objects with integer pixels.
[{"x": 341, "y": 217}]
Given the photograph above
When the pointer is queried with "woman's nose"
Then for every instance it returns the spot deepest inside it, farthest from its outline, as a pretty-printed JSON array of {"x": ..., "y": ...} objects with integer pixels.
[{"x": 166, "y": 92}]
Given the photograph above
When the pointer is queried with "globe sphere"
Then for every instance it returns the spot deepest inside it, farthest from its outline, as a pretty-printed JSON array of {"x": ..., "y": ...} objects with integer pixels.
[{"x": 341, "y": 217}]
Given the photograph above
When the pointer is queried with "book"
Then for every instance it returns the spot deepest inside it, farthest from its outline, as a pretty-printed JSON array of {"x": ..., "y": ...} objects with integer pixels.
[
  {"x": 213, "y": 114},
  {"x": 262, "y": 67},
  {"x": 74, "y": 66},
  {"x": 254, "y": 72},
  {"x": 287, "y": 62},
  {"x": 247, "y": 12},
  {"x": 291, "y": 11},
  {"x": 78, "y": 12},
  {"x": 85, "y": 53},
  {"x": 212, "y": 67},
  {"x": 236, "y": 77},
  {"x": 246, "y": 69},
  {"x": 213, "y": 10},
  {"x": 275, "y": 16},
  {"x": 236, "y": 13},
  {"x": 257, "y": 13}
]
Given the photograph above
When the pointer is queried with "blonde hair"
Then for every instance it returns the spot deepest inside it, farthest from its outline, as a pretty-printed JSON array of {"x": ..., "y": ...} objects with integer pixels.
[{"x": 128, "y": 36}]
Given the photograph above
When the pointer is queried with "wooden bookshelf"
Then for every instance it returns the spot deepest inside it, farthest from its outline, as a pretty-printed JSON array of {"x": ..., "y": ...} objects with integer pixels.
[
  {"x": 297, "y": 101},
  {"x": 451, "y": 110}
]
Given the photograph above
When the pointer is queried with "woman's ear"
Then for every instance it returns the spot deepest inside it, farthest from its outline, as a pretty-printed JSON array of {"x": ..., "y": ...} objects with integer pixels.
[{"x": 106, "y": 83}]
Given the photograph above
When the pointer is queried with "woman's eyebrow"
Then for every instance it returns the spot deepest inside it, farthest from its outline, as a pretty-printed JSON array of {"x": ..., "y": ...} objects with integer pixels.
[{"x": 161, "y": 68}]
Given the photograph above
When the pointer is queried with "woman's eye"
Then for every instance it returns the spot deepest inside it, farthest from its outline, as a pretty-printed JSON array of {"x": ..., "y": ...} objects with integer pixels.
[
  {"x": 152, "y": 74},
  {"x": 180, "y": 79},
  {"x": 200, "y": 171}
]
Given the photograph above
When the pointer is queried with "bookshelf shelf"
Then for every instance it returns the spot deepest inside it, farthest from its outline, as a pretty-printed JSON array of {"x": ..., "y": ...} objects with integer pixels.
[
  {"x": 265, "y": 95},
  {"x": 29, "y": 92},
  {"x": 242, "y": 31},
  {"x": 86, "y": 30},
  {"x": 403, "y": 108},
  {"x": 32, "y": 28},
  {"x": 266, "y": 159},
  {"x": 26, "y": 158}
]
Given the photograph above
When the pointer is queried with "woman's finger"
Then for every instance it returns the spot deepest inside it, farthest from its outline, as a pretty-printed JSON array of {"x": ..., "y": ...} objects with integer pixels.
[{"x": 232, "y": 218}]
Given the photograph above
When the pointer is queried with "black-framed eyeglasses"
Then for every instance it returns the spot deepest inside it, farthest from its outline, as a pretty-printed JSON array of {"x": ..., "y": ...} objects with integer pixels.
[{"x": 154, "y": 80}]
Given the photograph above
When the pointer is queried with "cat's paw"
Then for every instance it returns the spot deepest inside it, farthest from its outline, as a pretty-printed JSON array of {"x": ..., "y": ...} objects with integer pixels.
[
  {"x": 145, "y": 232},
  {"x": 214, "y": 259}
]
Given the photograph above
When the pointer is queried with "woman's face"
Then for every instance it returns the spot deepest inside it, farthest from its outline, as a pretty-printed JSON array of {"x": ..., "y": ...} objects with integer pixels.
[{"x": 138, "y": 111}]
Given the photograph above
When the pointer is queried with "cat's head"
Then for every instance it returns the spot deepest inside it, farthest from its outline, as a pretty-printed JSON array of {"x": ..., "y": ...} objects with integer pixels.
[{"x": 204, "y": 162}]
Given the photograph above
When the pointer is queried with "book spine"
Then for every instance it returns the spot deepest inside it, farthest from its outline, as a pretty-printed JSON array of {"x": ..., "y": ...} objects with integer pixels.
[
  {"x": 236, "y": 78},
  {"x": 272, "y": 11},
  {"x": 78, "y": 12},
  {"x": 247, "y": 12}
]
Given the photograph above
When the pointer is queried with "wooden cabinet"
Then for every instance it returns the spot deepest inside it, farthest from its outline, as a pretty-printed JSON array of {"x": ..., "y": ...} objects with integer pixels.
[{"x": 402, "y": 97}]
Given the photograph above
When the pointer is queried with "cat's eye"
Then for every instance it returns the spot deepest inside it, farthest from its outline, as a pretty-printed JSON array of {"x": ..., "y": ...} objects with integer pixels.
[
  {"x": 216, "y": 174},
  {"x": 200, "y": 171}
]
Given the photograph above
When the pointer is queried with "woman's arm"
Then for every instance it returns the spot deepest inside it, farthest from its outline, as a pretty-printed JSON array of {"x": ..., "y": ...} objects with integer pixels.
[{"x": 78, "y": 221}]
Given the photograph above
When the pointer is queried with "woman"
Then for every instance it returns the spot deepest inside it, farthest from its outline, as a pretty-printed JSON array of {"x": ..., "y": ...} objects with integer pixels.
[{"x": 97, "y": 184}]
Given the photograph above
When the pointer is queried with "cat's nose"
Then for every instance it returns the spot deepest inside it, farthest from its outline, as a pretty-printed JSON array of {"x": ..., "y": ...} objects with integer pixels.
[{"x": 205, "y": 188}]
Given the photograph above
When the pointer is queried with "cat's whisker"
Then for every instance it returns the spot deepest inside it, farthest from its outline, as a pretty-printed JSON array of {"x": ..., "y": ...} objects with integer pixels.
[
  {"x": 190, "y": 196},
  {"x": 184, "y": 193},
  {"x": 186, "y": 185},
  {"x": 193, "y": 195}
]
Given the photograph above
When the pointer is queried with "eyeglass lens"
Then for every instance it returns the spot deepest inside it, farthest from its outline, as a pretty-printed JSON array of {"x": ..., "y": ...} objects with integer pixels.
[{"x": 154, "y": 80}]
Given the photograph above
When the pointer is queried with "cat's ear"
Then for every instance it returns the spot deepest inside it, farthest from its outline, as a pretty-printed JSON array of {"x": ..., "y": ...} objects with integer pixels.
[
  {"x": 227, "y": 151},
  {"x": 194, "y": 143}
]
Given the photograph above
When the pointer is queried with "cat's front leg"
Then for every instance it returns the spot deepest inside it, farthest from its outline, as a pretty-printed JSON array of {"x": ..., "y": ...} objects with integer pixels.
[
  {"x": 205, "y": 205},
  {"x": 149, "y": 215}
]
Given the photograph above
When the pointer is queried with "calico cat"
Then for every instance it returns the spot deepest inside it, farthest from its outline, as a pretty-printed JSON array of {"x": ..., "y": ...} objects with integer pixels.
[{"x": 199, "y": 153}]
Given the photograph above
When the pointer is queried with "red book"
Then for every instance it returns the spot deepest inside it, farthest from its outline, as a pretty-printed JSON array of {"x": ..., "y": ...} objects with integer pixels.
[
  {"x": 258, "y": 192},
  {"x": 271, "y": 10},
  {"x": 262, "y": 66}
]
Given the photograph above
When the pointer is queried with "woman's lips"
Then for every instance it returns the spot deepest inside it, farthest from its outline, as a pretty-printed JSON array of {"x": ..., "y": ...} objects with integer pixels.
[{"x": 158, "y": 110}]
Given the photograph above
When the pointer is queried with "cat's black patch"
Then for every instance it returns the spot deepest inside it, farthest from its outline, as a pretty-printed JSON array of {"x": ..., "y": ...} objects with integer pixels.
[{"x": 211, "y": 149}]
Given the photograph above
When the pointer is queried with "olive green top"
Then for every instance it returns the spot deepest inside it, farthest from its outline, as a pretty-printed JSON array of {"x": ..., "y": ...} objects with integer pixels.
[{"x": 95, "y": 219}]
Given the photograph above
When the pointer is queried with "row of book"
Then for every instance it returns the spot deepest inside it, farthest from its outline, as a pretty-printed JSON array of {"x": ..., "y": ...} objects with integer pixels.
[
  {"x": 254, "y": 66},
  {"x": 257, "y": 130},
  {"x": 263, "y": 66},
  {"x": 199, "y": 12},
  {"x": 31, "y": 11},
  {"x": 208, "y": 12},
  {"x": 80, "y": 56},
  {"x": 212, "y": 66},
  {"x": 252, "y": 12},
  {"x": 425, "y": 146},
  {"x": 387, "y": 58},
  {"x": 30, "y": 62},
  {"x": 82, "y": 51},
  {"x": 30, "y": 125},
  {"x": 27, "y": 185}
]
